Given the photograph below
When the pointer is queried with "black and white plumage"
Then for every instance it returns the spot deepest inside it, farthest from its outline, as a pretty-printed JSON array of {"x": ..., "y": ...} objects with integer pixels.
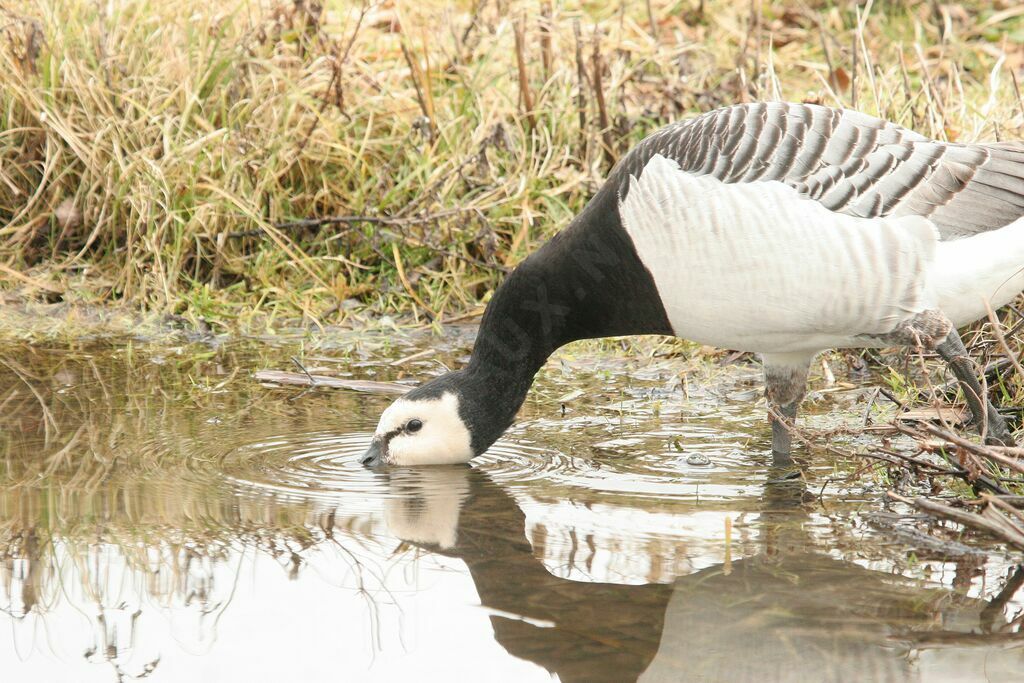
[{"x": 781, "y": 229}]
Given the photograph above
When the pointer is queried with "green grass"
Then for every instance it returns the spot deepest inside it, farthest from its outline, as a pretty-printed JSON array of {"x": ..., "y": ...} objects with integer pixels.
[{"x": 148, "y": 149}]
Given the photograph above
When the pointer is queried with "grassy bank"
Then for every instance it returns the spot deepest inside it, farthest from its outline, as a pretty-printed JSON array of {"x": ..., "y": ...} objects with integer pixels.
[{"x": 165, "y": 156}]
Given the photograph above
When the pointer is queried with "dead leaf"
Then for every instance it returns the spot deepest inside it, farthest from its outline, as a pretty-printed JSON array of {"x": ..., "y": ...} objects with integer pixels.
[{"x": 840, "y": 80}]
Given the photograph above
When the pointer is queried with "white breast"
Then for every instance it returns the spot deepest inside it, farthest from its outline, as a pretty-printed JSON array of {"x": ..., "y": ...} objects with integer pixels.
[{"x": 754, "y": 266}]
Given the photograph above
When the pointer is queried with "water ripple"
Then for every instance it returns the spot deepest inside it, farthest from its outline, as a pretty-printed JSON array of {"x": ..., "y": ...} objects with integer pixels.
[
  {"x": 321, "y": 464},
  {"x": 325, "y": 464}
]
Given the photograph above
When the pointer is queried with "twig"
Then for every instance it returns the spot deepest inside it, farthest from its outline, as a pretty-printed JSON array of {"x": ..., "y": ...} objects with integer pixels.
[
  {"x": 463, "y": 47},
  {"x": 894, "y": 458},
  {"x": 833, "y": 80},
  {"x": 853, "y": 73},
  {"x": 408, "y": 286},
  {"x": 312, "y": 382},
  {"x": 754, "y": 30},
  {"x": 335, "y": 78},
  {"x": 581, "y": 102},
  {"x": 1020, "y": 320},
  {"x": 414, "y": 356},
  {"x": 414, "y": 73},
  {"x": 919, "y": 355},
  {"x": 871, "y": 404},
  {"x": 300, "y": 366},
  {"x": 1009, "y": 499},
  {"x": 654, "y": 24},
  {"x": 996, "y": 523},
  {"x": 869, "y": 70},
  {"x": 545, "y": 39},
  {"x": 602, "y": 109},
  {"x": 1016, "y": 90},
  {"x": 979, "y": 481},
  {"x": 525, "y": 96},
  {"x": 306, "y": 379},
  {"x": 889, "y": 395},
  {"x": 930, "y": 90},
  {"x": 38, "y": 284},
  {"x": 1003, "y": 506},
  {"x": 907, "y": 90},
  {"x": 1002, "y": 340},
  {"x": 1001, "y": 454},
  {"x": 904, "y": 459},
  {"x": 995, "y": 607},
  {"x": 344, "y": 56},
  {"x": 960, "y": 640},
  {"x": 919, "y": 539},
  {"x": 464, "y": 316}
]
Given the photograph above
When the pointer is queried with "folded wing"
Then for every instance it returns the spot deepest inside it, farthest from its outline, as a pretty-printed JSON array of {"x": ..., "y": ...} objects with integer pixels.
[{"x": 849, "y": 162}]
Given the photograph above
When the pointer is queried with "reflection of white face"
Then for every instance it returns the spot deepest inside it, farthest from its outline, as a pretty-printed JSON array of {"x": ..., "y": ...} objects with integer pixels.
[
  {"x": 424, "y": 432},
  {"x": 425, "y": 504}
]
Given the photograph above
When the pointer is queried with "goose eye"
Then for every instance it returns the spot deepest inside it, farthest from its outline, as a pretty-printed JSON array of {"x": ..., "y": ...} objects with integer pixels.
[{"x": 413, "y": 426}]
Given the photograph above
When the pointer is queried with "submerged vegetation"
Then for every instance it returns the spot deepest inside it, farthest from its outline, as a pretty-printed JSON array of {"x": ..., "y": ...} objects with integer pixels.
[{"x": 244, "y": 161}]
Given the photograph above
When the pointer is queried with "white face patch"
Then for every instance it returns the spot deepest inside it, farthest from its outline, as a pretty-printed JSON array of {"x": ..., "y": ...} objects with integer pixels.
[{"x": 443, "y": 438}]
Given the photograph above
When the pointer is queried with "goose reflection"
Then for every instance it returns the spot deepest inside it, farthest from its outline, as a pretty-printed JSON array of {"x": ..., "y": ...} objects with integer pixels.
[{"x": 783, "y": 614}]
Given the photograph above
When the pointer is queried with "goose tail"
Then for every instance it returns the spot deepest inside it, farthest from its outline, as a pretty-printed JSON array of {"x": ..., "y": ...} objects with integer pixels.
[{"x": 976, "y": 188}]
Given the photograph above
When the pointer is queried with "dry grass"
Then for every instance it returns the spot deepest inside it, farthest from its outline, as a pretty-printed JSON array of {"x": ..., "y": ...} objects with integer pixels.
[{"x": 158, "y": 154}]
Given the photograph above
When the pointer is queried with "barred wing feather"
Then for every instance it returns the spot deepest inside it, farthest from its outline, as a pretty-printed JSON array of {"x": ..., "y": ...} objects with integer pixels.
[{"x": 849, "y": 162}]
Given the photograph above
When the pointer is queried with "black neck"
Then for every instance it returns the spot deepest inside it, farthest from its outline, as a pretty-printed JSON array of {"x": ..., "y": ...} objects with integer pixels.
[{"x": 586, "y": 282}]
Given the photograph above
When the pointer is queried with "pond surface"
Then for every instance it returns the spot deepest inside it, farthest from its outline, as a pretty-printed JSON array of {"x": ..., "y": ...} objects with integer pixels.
[{"x": 163, "y": 514}]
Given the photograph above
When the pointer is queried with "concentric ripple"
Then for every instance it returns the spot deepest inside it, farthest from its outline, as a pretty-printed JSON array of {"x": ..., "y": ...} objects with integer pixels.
[
  {"x": 322, "y": 464},
  {"x": 634, "y": 462},
  {"x": 649, "y": 460},
  {"x": 325, "y": 464}
]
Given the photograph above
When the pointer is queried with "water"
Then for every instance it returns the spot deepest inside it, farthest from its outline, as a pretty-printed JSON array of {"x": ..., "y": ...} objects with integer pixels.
[{"x": 164, "y": 515}]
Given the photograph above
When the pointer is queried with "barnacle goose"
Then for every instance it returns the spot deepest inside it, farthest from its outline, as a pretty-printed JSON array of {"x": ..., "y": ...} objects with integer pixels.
[{"x": 782, "y": 229}]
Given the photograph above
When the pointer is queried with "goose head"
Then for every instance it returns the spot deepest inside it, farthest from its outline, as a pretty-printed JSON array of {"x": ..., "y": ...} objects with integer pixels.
[{"x": 430, "y": 425}]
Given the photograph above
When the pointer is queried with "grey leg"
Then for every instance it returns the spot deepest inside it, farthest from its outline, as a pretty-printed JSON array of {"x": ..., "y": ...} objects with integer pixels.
[
  {"x": 992, "y": 425},
  {"x": 782, "y": 440},
  {"x": 785, "y": 383}
]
